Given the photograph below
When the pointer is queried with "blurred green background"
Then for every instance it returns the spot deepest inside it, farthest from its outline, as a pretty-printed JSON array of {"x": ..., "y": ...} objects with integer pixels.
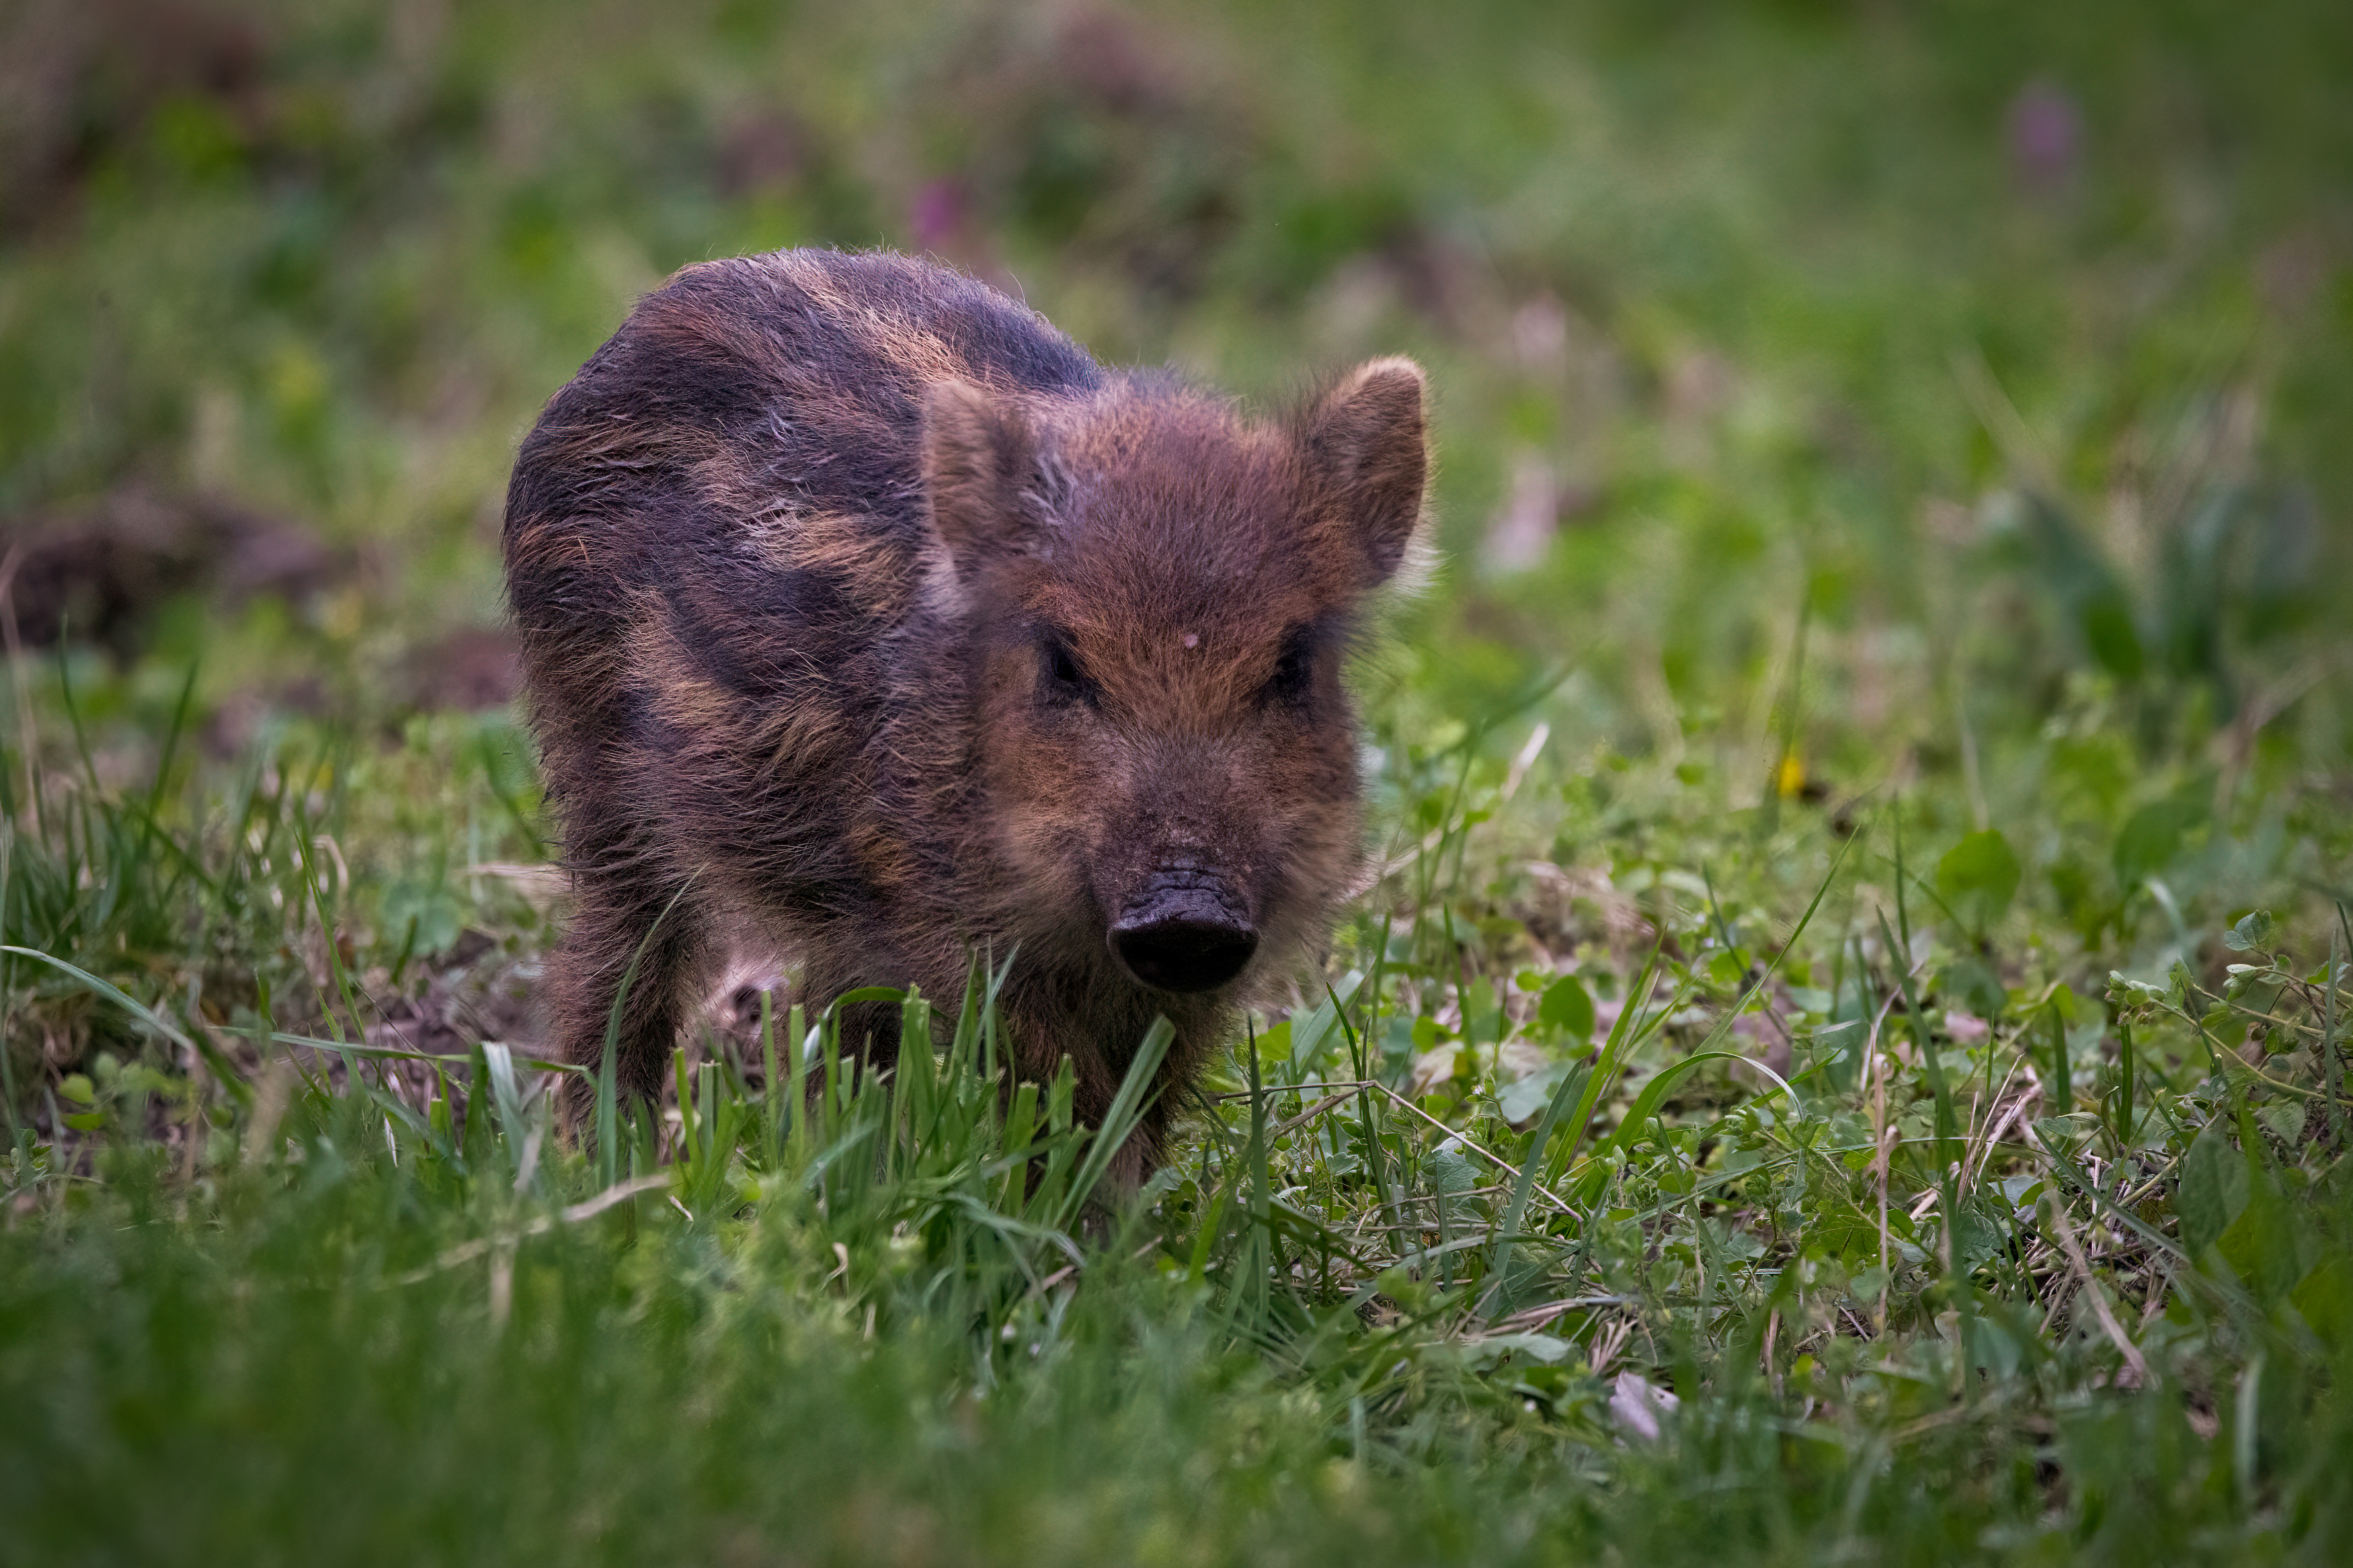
[
  {"x": 1842, "y": 395},
  {"x": 1864, "y": 430}
]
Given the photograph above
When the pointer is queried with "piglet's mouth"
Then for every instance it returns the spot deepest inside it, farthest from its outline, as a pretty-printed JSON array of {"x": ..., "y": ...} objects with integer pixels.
[{"x": 1186, "y": 931}]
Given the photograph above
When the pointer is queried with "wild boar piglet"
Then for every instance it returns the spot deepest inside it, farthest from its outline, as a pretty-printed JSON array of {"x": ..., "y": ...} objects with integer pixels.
[{"x": 867, "y": 621}]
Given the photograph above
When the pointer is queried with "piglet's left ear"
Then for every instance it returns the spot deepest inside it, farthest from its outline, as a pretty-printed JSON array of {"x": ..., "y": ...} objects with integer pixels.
[
  {"x": 1368, "y": 447},
  {"x": 977, "y": 453}
]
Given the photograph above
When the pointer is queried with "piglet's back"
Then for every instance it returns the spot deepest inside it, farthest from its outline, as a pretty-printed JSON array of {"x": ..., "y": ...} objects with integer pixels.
[
  {"x": 715, "y": 524},
  {"x": 753, "y": 391},
  {"x": 746, "y": 395}
]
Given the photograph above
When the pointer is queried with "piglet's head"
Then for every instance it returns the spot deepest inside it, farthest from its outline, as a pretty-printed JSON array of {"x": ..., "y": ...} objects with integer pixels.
[{"x": 1158, "y": 596}]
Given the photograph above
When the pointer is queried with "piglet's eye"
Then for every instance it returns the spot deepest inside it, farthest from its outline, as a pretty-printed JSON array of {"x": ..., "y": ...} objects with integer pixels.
[
  {"x": 1294, "y": 670},
  {"x": 1061, "y": 677}
]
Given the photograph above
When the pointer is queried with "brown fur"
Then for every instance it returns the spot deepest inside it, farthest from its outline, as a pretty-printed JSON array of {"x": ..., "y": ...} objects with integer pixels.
[{"x": 866, "y": 616}]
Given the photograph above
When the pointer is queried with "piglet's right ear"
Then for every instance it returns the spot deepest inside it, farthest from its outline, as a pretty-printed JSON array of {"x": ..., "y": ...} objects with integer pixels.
[
  {"x": 1369, "y": 447},
  {"x": 978, "y": 455}
]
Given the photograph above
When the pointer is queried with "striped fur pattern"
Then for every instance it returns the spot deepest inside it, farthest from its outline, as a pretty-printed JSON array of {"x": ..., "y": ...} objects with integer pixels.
[{"x": 867, "y": 621}]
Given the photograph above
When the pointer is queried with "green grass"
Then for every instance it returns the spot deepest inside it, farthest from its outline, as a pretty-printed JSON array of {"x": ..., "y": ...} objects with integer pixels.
[
  {"x": 303, "y": 1289},
  {"x": 1845, "y": 1060}
]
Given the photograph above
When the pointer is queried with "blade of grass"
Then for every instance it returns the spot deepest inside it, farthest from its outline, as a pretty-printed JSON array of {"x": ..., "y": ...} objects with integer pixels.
[
  {"x": 1570, "y": 1089},
  {"x": 391, "y": 1053},
  {"x": 507, "y": 800},
  {"x": 1376, "y": 1158},
  {"x": 1136, "y": 1091},
  {"x": 2126, "y": 1071},
  {"x": 1251, "y": 1301},
  {"x": 608, "y": 1102},
  {"x": 1636, "y": 1024},
  {"x": 19, "y": 1142},
  {"x": 115, "y": 994},
  {"x": 1947, "y": 1166},
  {"x": 2330, "y": 1056},
  {"x": 2063, "y": 1075}
]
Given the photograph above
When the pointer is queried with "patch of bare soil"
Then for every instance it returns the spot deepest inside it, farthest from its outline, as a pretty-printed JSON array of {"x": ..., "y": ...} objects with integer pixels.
[{"x": 102, "y": 570}]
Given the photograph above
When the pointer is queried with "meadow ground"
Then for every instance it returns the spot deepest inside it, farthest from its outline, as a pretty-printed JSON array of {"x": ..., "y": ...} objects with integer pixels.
[{"x": 1844, "y": 1059}]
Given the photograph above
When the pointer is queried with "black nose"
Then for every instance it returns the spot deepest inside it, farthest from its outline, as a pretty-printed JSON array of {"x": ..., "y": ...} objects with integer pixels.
[{"x": 1184, "y": 937}]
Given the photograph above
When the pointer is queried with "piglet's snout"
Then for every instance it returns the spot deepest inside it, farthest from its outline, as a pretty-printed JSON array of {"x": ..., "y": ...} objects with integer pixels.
[{"x": 1184, "y": 930}]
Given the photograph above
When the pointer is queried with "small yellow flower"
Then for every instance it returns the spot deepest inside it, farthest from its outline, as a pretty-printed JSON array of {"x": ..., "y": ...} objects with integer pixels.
[{"x": 1791, "y": 779}]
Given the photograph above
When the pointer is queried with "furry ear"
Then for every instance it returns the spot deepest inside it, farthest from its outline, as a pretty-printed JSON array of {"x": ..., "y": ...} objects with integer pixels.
[
  {"x": 977, "y": 455},
  {"x": 1369, "y": 448}
]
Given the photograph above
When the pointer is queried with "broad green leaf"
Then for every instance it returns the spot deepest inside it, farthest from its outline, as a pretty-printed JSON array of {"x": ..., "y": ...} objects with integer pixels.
[
  {"x": 1975, "y": 986},
  {"x": 1523, "y": 1097},
  {"x": 1982, "y": 1232},
  {"x": 2326, "y": 1298},
  {"x": 2109, "y": 630},
  {"x": 1567, "y": 1007},
  {"x": 1978, "y": 878},
  {"x": 2268, "y": 1245},
  {"x": 2212, "y": 1193},
  {"x": 428, "y": 902},
  {"x": 1451, "y": 1172},
  {"x": 2152, "y": 837},
  {"x": 2252, "y": 934},
  {"x": 1543, "y": 1348}
]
